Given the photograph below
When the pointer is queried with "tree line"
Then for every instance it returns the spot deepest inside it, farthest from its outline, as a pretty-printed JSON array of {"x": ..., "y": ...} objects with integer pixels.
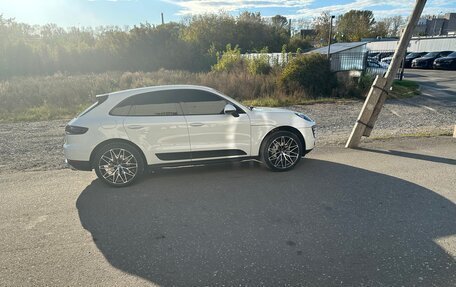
[{"x": 192, "y": 44}]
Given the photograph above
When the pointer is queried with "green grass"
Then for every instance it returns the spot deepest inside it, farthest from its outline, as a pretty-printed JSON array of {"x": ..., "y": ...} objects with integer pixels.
[
  {"x": 436, "y": 133},
  {"x": 404, "y": 89},
  {"x": 42, "y": 113},
  {"x": 290, "y": 101}
]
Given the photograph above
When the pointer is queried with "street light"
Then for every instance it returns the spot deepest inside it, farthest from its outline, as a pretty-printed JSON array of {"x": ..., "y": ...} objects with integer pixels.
[{"x": 330, "y": 34}]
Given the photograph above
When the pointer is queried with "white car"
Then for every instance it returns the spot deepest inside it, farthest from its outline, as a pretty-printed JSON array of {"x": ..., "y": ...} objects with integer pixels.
[{"x": 126, "y": 132}]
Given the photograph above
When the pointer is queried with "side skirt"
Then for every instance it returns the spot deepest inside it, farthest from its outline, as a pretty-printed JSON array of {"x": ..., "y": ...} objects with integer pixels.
[{"x": 202, "y": 162}]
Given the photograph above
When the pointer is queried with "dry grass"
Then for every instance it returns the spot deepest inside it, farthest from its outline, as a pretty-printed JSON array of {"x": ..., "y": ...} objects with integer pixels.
[
  {"x": 60, "y": 96},
  {"x": 63, "y": 96}
]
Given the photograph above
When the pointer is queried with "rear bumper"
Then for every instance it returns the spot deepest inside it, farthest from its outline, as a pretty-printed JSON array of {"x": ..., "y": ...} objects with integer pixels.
[{"x": 78, "y": 164}]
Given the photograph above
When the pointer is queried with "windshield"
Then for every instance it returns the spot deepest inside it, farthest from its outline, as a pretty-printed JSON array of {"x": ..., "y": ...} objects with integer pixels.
[
  {"x": 431, "y": 55},
  {"x": 452, "y": 55},
  {"x": 414, "y": 55}
]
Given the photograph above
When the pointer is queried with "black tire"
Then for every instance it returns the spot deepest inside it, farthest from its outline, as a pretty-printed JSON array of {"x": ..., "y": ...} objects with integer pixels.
[
  {"x": 126, "y": 167},
  {"x": 292, "y": 153}
]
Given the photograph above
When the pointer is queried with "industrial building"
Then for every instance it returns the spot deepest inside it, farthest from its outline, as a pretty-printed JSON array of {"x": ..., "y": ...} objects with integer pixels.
[
  {"x": 436, "y": 25},
  {"x": 417, "y": 44}
]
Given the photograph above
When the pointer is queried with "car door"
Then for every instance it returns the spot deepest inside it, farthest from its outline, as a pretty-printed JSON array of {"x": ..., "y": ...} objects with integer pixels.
[
  {"x": 156, "y": 124},
  {"x": 214, "y": 134}
]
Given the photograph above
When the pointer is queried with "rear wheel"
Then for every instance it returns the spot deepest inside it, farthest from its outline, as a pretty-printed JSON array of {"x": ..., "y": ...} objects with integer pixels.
[
  {"x": 281, "y": 151},
  {"x": 118, "y": 164}
]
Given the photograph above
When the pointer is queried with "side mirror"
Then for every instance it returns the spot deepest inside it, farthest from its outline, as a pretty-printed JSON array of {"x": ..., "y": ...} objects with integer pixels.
[{"x": 230, "y": 110}]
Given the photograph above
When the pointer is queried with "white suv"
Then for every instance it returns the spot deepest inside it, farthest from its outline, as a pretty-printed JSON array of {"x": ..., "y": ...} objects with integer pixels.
[{"x": 126, "y": 132}]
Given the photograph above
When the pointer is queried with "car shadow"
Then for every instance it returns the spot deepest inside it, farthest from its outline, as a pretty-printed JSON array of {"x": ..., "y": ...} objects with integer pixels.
[
  {"x": 412, "y": 155},
  {"x": 321, "y": 224}
]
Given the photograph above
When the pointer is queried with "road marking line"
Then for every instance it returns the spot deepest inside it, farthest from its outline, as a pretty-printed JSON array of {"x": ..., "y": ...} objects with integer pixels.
[
  {"x": 426, "y": 107},
  {"x": 395, "y": 113}
]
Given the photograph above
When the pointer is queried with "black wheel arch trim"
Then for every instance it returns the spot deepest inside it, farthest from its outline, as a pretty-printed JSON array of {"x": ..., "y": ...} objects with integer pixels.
[
  {"x": 285, "y": 128},
  {"x": 109, "y": 141}
]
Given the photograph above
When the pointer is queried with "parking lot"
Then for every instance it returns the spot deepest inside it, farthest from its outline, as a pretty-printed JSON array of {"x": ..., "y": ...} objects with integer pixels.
[
  {"x": 380, "y": 216},
  {"x": 437, "y": 85}
]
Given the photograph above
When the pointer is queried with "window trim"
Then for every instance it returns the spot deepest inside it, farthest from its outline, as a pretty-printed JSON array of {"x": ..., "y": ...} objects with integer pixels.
[
  {"x": 180, "y": 110},
  {"x": 239, "y": 110}
]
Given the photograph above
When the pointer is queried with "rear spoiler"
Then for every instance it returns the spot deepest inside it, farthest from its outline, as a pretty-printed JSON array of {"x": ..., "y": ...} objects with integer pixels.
[{"x": 102, "y": 98}]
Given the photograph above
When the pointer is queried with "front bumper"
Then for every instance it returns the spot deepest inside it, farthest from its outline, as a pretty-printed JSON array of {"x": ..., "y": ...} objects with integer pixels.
[
  {"x": 422, "y": 64},
  {"x": 309, "y": 137},
  {"x": 442, "y": 65}
]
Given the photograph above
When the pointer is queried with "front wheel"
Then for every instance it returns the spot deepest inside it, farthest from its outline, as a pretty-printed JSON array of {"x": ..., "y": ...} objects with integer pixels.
[
  {"x": 281, "y": 151},
  {"x": 118, "y": 164}
]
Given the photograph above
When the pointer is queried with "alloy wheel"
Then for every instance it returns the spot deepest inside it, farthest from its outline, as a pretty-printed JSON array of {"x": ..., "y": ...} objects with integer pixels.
[
  {"x": 283, "y": 152},
  {"x": 118, "y": 166}
]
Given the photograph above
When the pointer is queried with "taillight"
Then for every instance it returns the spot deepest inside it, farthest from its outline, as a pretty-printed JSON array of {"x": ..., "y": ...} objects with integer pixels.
[{"x": 74, "y": 130}]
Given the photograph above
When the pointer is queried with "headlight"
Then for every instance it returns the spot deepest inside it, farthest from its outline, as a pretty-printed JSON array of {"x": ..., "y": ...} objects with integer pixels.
[{"x": 303, "y": 116}]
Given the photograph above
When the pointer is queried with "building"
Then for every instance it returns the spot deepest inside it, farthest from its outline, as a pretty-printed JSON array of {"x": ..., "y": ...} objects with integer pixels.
[
  {"x": 436, "y": 25},
  {"x": 345, "y": 56},
  {"x": 417, "y": 44}
]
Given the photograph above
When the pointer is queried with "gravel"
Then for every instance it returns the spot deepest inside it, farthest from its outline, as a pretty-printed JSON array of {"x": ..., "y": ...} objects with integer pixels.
[
  {"x": 398, "y": 117},
  {"x": 38, "y": 145}
]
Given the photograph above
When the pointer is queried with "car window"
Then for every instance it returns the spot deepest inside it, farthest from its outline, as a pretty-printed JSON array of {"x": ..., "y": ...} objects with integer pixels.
[
  {"x": 444, "y": 54},
  {"x": 199, "y": 102},
  {"x": 413, "y": 55},
  {"x": 159, "y": 103},
  {"x": 431, "y": 55}
]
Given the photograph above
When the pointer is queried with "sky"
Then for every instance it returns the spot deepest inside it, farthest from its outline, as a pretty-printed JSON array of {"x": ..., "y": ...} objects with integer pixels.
[{"x": 130, "y": 12}]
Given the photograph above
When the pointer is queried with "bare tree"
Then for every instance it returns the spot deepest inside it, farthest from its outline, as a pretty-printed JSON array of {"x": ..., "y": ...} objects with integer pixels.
[{"x": 394, "y": 24}]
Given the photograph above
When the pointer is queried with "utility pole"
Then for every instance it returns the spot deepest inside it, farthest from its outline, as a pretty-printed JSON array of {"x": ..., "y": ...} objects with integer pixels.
[
  {"x": 289, "y": 27},
  {"x": 381, "y": 86},
  {"x": 330, "y": 34},
  {"x": 163, "y": 19}
]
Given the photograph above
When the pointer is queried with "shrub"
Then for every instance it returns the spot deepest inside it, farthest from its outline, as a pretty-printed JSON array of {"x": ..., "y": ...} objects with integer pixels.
[
  {"x": 229, "y": 60},
  {"x": 365, "y": 82},
  {"x": 259, "y": 65},
  {"x": 310, "y": 72}
]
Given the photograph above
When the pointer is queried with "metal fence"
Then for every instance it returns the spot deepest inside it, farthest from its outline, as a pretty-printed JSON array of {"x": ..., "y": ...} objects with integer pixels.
[
  {"x": 273, "y": 58},
  {"x": 372, "y": 62}
]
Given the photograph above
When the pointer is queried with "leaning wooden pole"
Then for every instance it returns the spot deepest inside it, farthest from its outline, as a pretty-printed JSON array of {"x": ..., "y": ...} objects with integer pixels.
[{"x": 382, "y": 85}]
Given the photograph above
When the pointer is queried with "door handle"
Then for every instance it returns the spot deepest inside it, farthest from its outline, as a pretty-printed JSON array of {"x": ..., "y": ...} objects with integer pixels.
[
  {"x": 134, "y": 127},
  {"x": 196, "y": 124}
]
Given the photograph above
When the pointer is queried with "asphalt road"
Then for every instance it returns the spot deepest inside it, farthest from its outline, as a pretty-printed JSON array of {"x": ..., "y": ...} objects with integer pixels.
[
  {"x": 380, "y": 216},
  {"x": 438, "y": 87}
]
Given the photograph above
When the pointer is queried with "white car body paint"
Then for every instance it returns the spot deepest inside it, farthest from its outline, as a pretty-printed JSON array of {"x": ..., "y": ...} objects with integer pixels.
[{"x": 181, "y": 133}]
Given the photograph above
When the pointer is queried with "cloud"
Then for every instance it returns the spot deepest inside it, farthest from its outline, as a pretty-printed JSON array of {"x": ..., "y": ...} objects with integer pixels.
[
  {"x": 404, "y": 5},
  {"x": 310, "y": 8},
  {"x": 213, "y": 6}
]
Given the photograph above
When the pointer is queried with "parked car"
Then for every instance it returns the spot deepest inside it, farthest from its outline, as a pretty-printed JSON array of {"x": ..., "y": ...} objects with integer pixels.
[
  {"x": 410, "y": 57},
  {"x": 448, "y": 62},
  {"x": 372, "y": 55},
  {"x": 379, "y": 56},
  {"x": 126, "y": 132},
  {"x": 427, "y": 60},
  {"x": 376, "y": 68},
  {"x": 387, "y": 60}
]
